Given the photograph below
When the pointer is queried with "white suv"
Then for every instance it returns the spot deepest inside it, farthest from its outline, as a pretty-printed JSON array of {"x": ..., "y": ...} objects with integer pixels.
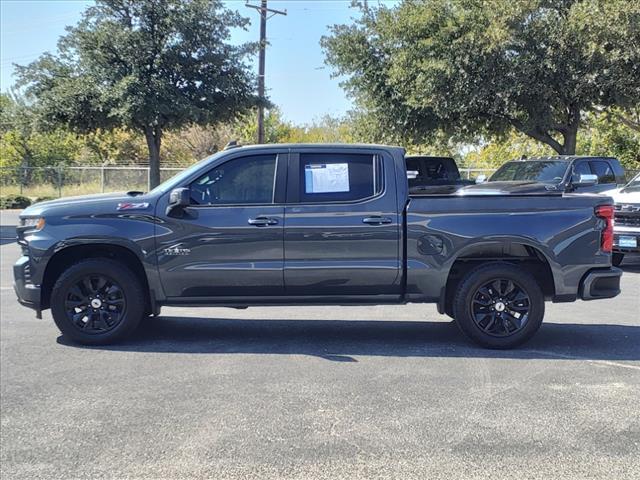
[{"x": 626, "y": 228}]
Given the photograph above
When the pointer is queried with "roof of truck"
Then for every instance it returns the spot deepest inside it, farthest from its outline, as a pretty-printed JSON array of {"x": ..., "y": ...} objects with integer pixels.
[{"x": 314, "y": 145}]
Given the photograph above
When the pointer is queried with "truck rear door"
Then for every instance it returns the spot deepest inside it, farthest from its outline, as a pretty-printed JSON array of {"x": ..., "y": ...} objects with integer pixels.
[{"x": 342, "y": 226}]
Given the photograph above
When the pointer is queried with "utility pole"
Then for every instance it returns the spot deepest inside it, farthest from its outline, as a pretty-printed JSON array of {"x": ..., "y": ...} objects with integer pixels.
[{"x": 263, "y": 47}]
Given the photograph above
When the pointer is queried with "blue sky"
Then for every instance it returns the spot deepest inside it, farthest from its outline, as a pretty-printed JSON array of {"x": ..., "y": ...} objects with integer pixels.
[{"x": 296, "y": 77}]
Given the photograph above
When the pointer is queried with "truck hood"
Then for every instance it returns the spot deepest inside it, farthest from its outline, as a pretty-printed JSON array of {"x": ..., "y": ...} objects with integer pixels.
[
  {"x": 99, "y": 202},
  {"x": 503, "y": 188}
]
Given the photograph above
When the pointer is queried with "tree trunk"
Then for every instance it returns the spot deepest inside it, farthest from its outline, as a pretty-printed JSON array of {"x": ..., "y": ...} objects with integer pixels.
[
  {"x": 570, "y": 139},
  {"x": 570, "y": 133},
  {"x": 153, "y": 136},
  {"x": 545, "y": 138}
]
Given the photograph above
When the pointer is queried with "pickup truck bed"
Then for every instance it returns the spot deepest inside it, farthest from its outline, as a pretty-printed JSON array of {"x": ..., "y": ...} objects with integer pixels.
[{"x": 312, "y": 224}]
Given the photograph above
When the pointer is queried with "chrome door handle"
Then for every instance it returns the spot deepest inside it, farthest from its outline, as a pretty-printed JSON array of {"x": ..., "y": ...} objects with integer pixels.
[
  {"x": 263, "y": 221},
  {"x": 376, "y": 220}
]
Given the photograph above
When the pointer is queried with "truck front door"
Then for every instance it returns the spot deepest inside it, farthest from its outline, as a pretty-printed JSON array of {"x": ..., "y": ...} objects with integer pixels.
[
  {"x": 342, "y": 227},
  {"x": 229, "y": 241}
]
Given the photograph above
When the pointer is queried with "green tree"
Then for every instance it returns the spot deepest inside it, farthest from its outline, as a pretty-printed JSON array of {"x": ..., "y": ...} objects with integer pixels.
[
  {"x": 276, "y": 129},
  {"x": 511, "y": 146},
  {"x": 115, "y": 146},
  {"x": 24, "y": 145},
  {"x": 606, "y": 135},
  {"x": 25, "y": 149},
  {"x": 483, "y": 68},
  {"x": 195, "y": 142},
  {"x": 150, "y": 65}
]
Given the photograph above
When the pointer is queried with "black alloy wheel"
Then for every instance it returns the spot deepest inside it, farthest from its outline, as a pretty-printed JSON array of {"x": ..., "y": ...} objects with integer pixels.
[
  {"x": 500, "y": 308},
  {"x": 499, "y": 305},
  {"x": 95, "y": 304},
  {"x": 98, "y": 301}
]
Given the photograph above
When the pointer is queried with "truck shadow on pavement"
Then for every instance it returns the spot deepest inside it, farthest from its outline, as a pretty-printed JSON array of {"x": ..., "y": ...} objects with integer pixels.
[{"x": 345, "y": 340}]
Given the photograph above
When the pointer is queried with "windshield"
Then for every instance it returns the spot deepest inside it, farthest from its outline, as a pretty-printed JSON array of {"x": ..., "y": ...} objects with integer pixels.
[
  {"x": 633, "y": 185},
  {"x": 533, "y": 171},
  {"x": 179, "y": 177}
]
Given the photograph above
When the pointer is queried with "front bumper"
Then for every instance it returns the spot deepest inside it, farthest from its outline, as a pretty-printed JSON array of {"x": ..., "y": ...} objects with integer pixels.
[
  {"x": 600, "y": 283},
  {"x": 28, "y": 293}
]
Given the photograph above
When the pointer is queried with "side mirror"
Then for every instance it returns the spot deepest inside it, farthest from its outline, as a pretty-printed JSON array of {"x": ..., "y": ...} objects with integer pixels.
[
  {"x": 179, "y": 199},
  {"x": 481, "y": 178},
  {"x": 586, "y": 180},
  {"x": 412, "y": 174}
]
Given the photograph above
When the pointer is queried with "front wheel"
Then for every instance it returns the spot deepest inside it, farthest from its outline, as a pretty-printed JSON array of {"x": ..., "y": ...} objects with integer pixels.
[
  {"x": 498, "y": 305},
  {"x": 97, "y": 302}
]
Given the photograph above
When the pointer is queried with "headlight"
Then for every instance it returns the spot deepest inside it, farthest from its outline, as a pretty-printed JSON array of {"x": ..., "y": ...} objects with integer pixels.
[{"x": 36, "y": 222}]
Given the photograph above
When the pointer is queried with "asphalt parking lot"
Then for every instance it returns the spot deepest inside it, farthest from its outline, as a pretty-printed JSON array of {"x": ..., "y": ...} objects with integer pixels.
[{"x": 336, "y": 392}]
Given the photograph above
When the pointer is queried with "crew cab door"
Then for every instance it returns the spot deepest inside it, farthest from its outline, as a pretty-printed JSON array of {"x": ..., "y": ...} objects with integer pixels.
[
  {"x": 342, "y": 227},
  {"x": 229, "y": 241}
]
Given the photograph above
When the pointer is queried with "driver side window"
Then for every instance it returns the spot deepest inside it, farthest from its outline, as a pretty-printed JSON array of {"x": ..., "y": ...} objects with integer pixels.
[
  {"x": 581, "y": 168},
  {"x": 245, "y": 180}
]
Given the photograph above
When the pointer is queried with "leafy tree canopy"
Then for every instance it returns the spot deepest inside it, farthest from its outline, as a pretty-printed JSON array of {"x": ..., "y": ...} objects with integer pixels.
[
  {"x": 149, "y": 65},
  {"x": 482, "y": 68}
]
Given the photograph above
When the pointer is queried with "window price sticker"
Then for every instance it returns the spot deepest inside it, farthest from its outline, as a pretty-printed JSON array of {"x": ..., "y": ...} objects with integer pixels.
[{"x": 326, "y": 178}]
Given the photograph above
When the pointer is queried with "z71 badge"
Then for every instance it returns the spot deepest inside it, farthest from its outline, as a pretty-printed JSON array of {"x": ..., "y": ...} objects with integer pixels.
[{"x": 133, "y": 206}]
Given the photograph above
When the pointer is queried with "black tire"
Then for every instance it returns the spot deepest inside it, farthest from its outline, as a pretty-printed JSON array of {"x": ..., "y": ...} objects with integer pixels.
[
  {"x": 121, "y": 302},
  {"x": 448, "y": 311},
  {"x": 478, "y": 299},
  {"x": 617, "y": 258}
]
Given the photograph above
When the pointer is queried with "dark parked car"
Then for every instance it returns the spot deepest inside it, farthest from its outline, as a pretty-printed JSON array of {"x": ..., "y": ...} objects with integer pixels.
[
  {"x": 437, "y": 175},
  {"x": 312, "y": 224},
  {"x": 562, "y": 173}
]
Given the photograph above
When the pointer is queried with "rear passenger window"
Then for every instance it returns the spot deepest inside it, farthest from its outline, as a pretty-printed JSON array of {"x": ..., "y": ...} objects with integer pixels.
[
  {"x": 339, "y": 177},
  {"x": 604, "y": 171}
]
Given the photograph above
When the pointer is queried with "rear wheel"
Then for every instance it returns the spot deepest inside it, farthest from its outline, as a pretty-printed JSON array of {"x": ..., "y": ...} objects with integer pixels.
[
  {"x": 499, "y": 305},
  {"x": 97, "y": 302},
  {"x": 617, "y": 258}
]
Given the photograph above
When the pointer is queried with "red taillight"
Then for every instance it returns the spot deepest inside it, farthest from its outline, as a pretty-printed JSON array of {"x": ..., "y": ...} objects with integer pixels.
[{"x": 606, "y": 239}]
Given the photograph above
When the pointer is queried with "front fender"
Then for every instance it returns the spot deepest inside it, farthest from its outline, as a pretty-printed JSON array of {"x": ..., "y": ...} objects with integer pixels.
[{"x": 130, "y": 231}]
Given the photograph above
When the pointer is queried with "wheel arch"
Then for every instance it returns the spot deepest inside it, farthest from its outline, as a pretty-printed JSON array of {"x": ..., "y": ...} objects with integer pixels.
[
  {"x": 521, "y": 252},
  {"x": 68, "y": 255}
]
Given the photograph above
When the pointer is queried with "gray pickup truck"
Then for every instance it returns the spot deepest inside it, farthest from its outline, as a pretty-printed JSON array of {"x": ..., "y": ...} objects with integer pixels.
[{"x": 312, "y": 225}]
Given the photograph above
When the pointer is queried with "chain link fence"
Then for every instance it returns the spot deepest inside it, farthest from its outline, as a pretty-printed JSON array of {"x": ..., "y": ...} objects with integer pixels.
[
  {"x": 46, "y": 182},
  {"x": 473, "y": 173},
  {"x": 53, "y": 182}
]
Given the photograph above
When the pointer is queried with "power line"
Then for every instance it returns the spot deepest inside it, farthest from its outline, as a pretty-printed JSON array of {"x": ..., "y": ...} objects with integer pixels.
[{"x": 261, "y": 59}]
